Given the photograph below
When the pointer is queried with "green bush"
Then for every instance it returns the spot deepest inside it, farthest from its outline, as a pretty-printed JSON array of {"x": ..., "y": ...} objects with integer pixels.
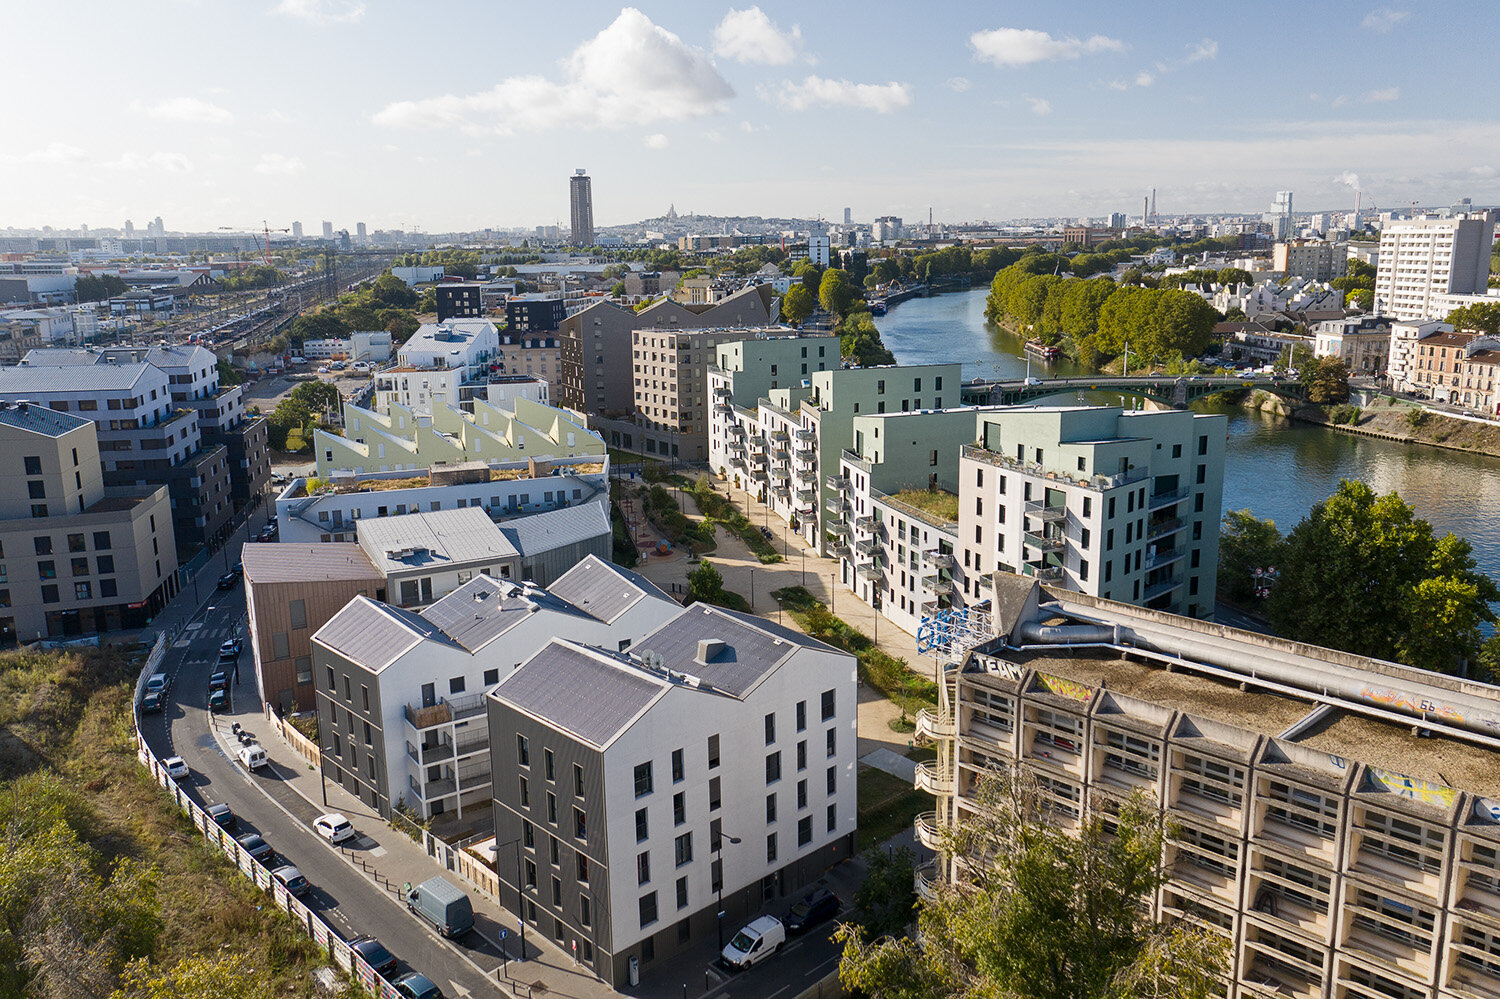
[
  {"x": 1344, "y": 414},
  {"x": 1416, "y": 417},
  {"x": 886, "y": 673}
]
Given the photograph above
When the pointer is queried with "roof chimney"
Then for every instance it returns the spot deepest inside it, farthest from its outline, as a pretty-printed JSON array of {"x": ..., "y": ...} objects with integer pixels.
[{"x": 708, "y": 648}]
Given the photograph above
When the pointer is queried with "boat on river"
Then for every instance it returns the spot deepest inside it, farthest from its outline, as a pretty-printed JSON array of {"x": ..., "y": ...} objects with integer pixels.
[{"x": 1046, "y": 352}]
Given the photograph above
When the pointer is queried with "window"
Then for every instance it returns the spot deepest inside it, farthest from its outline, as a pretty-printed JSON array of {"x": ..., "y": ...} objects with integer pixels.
[
  {"x": 770, "y": 728},
  {"x": 530, "y": 874},
  {"x": 107, "y": 588},
  {"x": 549, "y": 765},
  {"x": 491, "y": 677},
  {"x": 33, "y": 464},
  {"x": 713, "y": 751},
  {"x": 551, "y": 808},
  {"x": 525, "y": 793},
  {"x": 43, "y": 545},
  {"x": 642, "y": 828},
  {"x": 298, "y": 612},
  {"x": 648, "y": 909},
  {"x": 643, "y": 868},
  {"x": 101, "y": 541},
  {"x": 828, "y": 711},
  {"x": 833, "y": 742},
  {"x": 280, "y": 649},
  {"x": 81, "y": 591},
  {"x": 804, "y": 830},
  {"x": 456, "y": 685},
  {"x": 643, "y": 785},
  {"x": 771, "y": 849},
  {"x": 773, "y": 768},
  {"x": 683, "y": 847},
  {"x": 80, "y": 566},
  {"x": 833, "y": 779},
  {"x": 523, "y": 751},
  {"x": 578, "y": 780},
  {"x": 770, "y": 809},
  {"x": 76, "y": 543},
  {"x": 556, "y": 891},
  {"x": 583, "y": 867},
  {"x": 105, "y": 564},
  {"x": 585, "y": 911},
  {"x": 802, "y": 755},
  {"x": 714, "y": 799},
  {"x": 679, "y": 808},
  {"x": 580, "y": 824},
  {"x": 678, "y": 767},
  {"x": 682, "y": 893}
]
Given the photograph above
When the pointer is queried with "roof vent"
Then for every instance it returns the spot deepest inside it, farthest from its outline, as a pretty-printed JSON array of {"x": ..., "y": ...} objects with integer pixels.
[{"x": 708, "y": 648}]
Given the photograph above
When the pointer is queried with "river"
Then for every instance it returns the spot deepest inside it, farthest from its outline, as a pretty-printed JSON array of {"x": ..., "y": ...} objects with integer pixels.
[{"x": 1273, "y": 467}]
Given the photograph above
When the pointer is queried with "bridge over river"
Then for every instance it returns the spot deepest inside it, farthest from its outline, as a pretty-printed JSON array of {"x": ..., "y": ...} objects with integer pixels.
[{"x": 1170, "y": 390}]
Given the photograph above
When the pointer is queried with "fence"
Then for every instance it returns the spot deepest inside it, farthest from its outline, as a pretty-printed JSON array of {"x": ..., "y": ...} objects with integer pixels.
[
  {"x": 453, "y": 858},
  {"x": 220, "y": 839},
  {"x": 301, "y": 744}
]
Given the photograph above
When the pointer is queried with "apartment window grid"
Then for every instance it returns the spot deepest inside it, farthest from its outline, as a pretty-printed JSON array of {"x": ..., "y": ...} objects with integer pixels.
[
  {"x": 992, "y": 709},
  {"x": 1287, "y": 881},
  {"x": 1402, "y": 840},
  {"x": 1207, "y": 851},
  {"x": 1128, "y": 754},
  {"x": 1054, "y": 734},
  {"x": 1209, "y": 778},
  {"x": 1300, "y": 808},
  {"x": 1404, "y": 922}
]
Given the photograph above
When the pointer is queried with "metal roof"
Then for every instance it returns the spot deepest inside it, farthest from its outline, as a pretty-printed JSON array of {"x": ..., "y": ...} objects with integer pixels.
[
  {"x": 40, "y": 420},
  {"x": 74, "y": 377},
  {"x": 440, "y": 539},
  {"x": 294, "y": 562},
  {"x": 374, "y": 634},
  {"x": 590, "y": 693},
  {"x": 606, "y": 591},
  {"x": 539, "y": 532},
  {"x": 752, "y": 647},
  {"x": 484, "y": 608}
]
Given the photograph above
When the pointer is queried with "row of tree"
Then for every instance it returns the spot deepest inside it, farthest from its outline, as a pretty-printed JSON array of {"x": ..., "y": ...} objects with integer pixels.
[
  {"x": 1364, "y": 574},
  {"x": 386, "y": 303}
]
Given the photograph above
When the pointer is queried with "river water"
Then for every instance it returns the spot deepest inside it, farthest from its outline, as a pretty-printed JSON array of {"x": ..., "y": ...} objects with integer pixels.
[{"x": 1273, "y": 467}]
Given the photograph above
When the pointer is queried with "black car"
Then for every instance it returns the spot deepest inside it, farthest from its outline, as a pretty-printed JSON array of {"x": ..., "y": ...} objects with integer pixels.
[
  {"x": 223, "y": 816},
  {"x": 810, "y": 910},
  {"x": 151, "y": 703},
  {"x": 227, "y": 581},
  {"x": 375, "y": 954},
  {"x": 218, "y": 701},
  {"x": 258, "y": 848},
  {"x": 239, "y": 569}
]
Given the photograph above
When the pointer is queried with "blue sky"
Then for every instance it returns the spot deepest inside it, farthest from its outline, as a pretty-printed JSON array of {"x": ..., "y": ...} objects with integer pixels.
[{"x": 459, "y": 115}]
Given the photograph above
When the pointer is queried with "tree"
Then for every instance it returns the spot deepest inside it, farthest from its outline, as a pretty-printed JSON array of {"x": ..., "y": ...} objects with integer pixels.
[
  {"x": 318, "y": 396},
  {"x": 809, "y": 274},
  {"x": 885, "y": 902},
  {"x": 1047, "y": 915},
  {"x": 401, "y": 326},
  {"x": 1234, "y": 275},
  {"x": 1481, "y": 317},
  {"x": 834, "y": 291},
  {"x": 706, "y": 585},
  {"x": 98, "y": 287},
  {"x": 1246, "y": 543},
  {"x": 1364, "y": 574},
  {"x": 617, "y": 290},
  {"x": 1326, "y": 380},
  {"x": 797, "y": 304}
]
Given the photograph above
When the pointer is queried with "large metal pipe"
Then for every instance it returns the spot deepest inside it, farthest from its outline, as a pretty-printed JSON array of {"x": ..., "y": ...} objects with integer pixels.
[{"x": 1409, "y": 696}]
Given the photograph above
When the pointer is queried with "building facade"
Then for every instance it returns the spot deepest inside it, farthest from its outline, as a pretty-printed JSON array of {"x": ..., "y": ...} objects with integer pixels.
[
  {"x": 459, "y": 301},
  {"x": 581, "y": 208},
  {"x": 1424, "y": 261},
  {"x": 1363, "y": 343},
  {"x": 1406, "y": 351},
  {"x": 639, "y": 808},
  {"x": 1312, "y": 259},
  {"x": 442, "y": 364}
]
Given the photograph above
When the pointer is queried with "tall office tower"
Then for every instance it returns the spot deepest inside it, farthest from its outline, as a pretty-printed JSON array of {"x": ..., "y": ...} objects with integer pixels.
[
  {"x": 1280, "y": 215},
  {"x": 1117, "y": 220},
  {"x": 129, "y": 229},
  {"x": 848, "y": 216},
  {"x": 327, "y": 230},
  {"x": 1424, "y": 261},
  {"x": 361, "y": 231},
  {"x": 581, "y": 199},
  {"x": 296, "y": 230}
]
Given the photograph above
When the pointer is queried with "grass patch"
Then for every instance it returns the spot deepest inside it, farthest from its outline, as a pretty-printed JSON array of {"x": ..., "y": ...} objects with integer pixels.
[
  {"x": 721, "y": 509},
  {"x": 887, "y": 805},
  {"x": 933, "y": 502},
  {"x": 888, "y": 674},
  {"x": 902, "y": 724}
]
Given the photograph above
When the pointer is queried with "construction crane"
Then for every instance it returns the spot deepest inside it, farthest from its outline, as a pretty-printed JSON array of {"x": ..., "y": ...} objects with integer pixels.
[{"x": 265, "y": 227}]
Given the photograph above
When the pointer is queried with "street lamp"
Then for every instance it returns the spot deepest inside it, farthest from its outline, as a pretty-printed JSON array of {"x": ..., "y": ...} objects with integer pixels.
[
  {"x": 520, "y": 895},
  {"x": 719, "y": 855}
]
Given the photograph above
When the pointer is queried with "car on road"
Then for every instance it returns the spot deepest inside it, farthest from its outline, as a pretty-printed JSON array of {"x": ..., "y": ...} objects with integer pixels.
[
  {"x": 156, "y": 683},
  {"x": 322, "y": 369},
  {"x": 176, "y": 767},
  {"x": 416, "y": 986},
  {"x": 333, "y": 827},
  {"x": 239, "y": 569},
  {"x": 292, "y": 880},
  {"x": 218, "y": 701},
  {"x": 252, "y": 756},
  {"x": 219, "y": 681},
  {"x": 231, "y": 647},
  {"x": 258, "y": 848},
  {"x": 223, "y": 816},
  {"x": 754, "y": 943},
  {"x": 227, "y": 581},
  {"x": 811, "y": 909},
  {"x": 151, "y": 703},
  {"x": 374, "y": 953}
]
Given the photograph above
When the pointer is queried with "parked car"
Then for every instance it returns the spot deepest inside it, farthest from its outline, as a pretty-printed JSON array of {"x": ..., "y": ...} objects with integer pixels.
[
  {"x": 218, "y": 681},
  {"x": 253, "y": 756},
  {"x": 151, "y": 703},
  {"x": 259, "y": 849},
  {"x": 176, "y": 767},
  {"x": 231, "y": 647},
  {"x": 156, "y": 683},
  {"x": 443, "y": 905},
  {"x": 375, "y": 955},
  {"x": 754, "y": 943},
  {"x": 218, "y": 701},
  {"x": 223, "y": 816},
  {"x": 810, "y": 910},
  {"x": 292, "y": 880},
  {"x": 227, "y": 581},
  {"x": 333, "y": 827},
  {"x": 415, "y": 986}
]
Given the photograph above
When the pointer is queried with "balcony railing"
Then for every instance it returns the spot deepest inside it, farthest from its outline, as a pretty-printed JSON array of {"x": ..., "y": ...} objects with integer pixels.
[
  {"x": 1044, "y": 573},
  {"x": 723, "y": 408},
  {"x": 1163, "y": 557},
  {"x": 1154, "y": 590},
  {"x": 867, "y": 546},
  {"x": 806, "y": 434},
  {"x": 935, "y": 778},
  {"x": 1045, "y": 512},
  {"x": 835, "y": 482},
  {"x": 864, "y": 523},
  {"x": 868, "y": 570},
  {"x": 1045, "y": 543},
  {"x": 1167, "y": 498},
  {"x": 927, "y": 830},
  {"x": 933, "y": 725},
  {"x": 925, "y": 881},
  {"x": 942, "y": 587},
  {"x": 446, "y": 710},
  {"x": 938, "y": 559},
  {"x": 1161, "y": 528}
]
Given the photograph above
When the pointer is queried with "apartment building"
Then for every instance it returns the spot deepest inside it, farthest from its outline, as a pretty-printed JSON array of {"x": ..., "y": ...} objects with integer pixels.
[
  {"x": 794, "y": 436},
  {"x": 1406, "y": 351},
  {"x": 403, "y": 439},
  {"x": 401, "y": 692},
  {"x": 1313, "y": 259},
  {"x": 536, "y": 355},
  {"x": 638, "y": 807},
  {"x": 1363, "y": 343},
  {"x": 1457, "y": 368},
  {"x": 146, "y": 435},
  {"x": 1424, "y": 262},
  {"x": 291, "y": 590},
  {"x": 441, "y": 364},
  {"x": 670, "y": 368},
  {"x": 598, "y": 351},
  {"x": 330, "y": 512},
  {"x": 535, "y": 314},
  {"x": 459, "y": 301},
  {"x": 96, "y": 558},
  {"x": 1335, "y": 819}
]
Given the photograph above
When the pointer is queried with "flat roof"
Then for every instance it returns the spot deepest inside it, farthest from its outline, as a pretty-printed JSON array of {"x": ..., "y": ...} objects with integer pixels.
[
  {"x": 294, "y": 562},
  {"x": 435, "y": 539}
]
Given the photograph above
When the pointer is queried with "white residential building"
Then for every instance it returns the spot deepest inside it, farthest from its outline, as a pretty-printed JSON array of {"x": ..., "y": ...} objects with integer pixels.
[
  {"x": 713, "y": 758},
  {"x": 441, "y": 364},
  {"x": 1425, "y": 261},
  {"x": 1406, "y": 338}
]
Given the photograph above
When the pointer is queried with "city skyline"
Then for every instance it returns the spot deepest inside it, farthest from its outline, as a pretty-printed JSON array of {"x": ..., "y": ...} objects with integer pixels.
[{"x": 771, "y": 110}]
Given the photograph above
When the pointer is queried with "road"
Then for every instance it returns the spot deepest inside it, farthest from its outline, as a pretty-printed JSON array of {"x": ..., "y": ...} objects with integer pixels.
[{"x": 349, "y": 899}]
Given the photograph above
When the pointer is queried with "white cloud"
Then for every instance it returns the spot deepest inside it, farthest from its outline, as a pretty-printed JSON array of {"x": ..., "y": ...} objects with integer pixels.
[
  {"x": 745, "y": 126},
  {"x": 815, "y": 91},
  {"x": 1383, "y": 19},
  {"x": 1202, "y": 51},
  {"x": 188, "y": 109},
  {"x": 1118, "y": 85},
  {"x": 750, "y": 36},
  {"x": 54, "y": 152},
  {"x": 631, "y": 73},
  {"x": 1381, "y": 96},
  {"x": 958, "y": 84},
  {"x": 657, "y": 141},
  {"x": 322, "y": 11},
  {"x": 161, "y": 162},
  {"x": 279, "y": 164},
  {"x": 1039, "y": 106},
  {"x": 1022, "y": 46},
  {"x": 1144, "y": 79}
]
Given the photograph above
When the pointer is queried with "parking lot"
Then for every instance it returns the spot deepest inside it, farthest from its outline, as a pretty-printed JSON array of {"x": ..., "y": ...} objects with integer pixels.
[{"x": 268, "y": 392}]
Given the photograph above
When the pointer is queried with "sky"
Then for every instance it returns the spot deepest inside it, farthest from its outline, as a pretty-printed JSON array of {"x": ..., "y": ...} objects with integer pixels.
[{"x": 464, "y": 114}]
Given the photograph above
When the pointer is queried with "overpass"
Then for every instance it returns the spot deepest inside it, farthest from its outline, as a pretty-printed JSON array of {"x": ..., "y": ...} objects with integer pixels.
[{"x": 1169, "y": 390}]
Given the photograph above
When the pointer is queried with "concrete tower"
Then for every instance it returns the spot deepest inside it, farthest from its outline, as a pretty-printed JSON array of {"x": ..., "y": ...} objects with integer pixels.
[{"x": 581, "y": 200}]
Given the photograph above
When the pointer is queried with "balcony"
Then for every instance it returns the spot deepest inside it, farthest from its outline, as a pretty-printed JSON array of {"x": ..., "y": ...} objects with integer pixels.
[
  {"x": 756, "y": 441},
  {"x": 839, "y": 548},
  {"x": 867, "y": 547},
  {"x": 835, "y": 506},
  {"x": 805, "y": 452},
  {"x": 723, "y": 408},
  {"x": 806, "y": 435},
  {"x": 935, "y": 778},
  {"x": 1161, "y": 528},
  {"x": 1164, "y": 557},
  {"x": 445, "y": 711},
  {"x": 1154, "y": 590},
  {"x": 937, "y": 559},
  {"x": 928, "y": 830},
  {"x": 1046, "y": 513},
  {"x": 781, "y": 474},
  {"x": 1044, "y": 543},
  {"x": 836, "y": 525},
  {"x": 942, "y": 587},
  {"x": 1043, "y": 573},
  {"x": 424, "y": 755},
  {"x": 722, "y": 392},
  {"x": 1167, "y": 498},
  {"x": 807, "y": 494},
  {"x": 868, "y": 570},
  {"x": 780, "y": 437},
  {"x": 864, "y": 523},
  {"x": 805, "y": 509},
  {"x": 932, "y": 725},
  {"x": 739, "y": 462},
  {"x": 836, "y": 482},
  {"x": 736, "y": 430},
  {"x": 431, "y": 790}
]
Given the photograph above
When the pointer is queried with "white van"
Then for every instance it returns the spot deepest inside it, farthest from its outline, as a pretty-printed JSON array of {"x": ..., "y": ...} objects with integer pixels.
[
  {"x": 252, "y": 756},
  {"x": 754, "y": 943}
]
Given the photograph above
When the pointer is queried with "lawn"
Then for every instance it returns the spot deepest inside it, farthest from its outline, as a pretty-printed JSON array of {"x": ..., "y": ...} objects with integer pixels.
[
  {"x": 887, "y": 805},
  {"x": 933, "y": 502}
]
